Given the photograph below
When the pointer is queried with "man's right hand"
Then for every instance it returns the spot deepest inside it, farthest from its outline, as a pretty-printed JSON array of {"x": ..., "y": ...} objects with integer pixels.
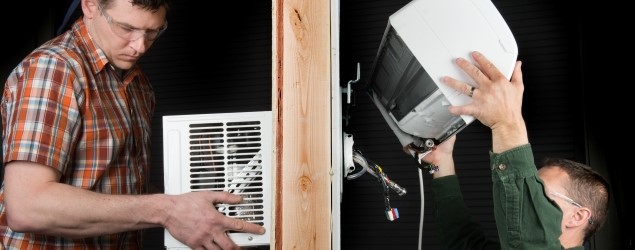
[{"x": 496, "y": 101}]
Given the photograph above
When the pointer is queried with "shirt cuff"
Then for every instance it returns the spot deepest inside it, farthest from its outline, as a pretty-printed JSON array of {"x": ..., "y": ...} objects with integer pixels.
[{"x": 518, "y": 161}]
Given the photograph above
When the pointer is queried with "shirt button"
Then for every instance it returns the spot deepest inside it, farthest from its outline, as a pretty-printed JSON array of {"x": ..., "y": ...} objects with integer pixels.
[{"x": 502, "y": 166}]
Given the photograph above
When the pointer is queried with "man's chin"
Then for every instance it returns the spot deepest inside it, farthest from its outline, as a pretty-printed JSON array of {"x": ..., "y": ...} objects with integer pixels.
[{"x": 123, "y": 65}]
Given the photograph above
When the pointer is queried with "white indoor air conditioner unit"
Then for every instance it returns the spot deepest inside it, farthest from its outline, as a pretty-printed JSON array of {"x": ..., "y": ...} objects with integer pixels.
[
  {"x": 418, "y": 48},
  {"x": 222, "y": 152}
]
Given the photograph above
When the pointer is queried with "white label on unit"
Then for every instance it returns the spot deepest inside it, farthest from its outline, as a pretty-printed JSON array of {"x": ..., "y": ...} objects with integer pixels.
[{"x": 222, "y": 152}]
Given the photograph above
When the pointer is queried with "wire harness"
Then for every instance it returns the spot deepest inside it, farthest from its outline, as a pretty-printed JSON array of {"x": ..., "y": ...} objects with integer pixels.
[{"x": 386, "y": 183}]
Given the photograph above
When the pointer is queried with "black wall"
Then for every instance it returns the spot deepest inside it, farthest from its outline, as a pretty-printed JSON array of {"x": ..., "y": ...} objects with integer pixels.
[
  {"x": 219, "y": 60},
  {"x": 571, "y": 78}
]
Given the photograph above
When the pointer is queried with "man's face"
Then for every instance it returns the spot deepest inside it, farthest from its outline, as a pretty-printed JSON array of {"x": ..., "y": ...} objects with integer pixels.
[
  {"x": 555, "y": 179},
  {"x": 125, "y": 32}
]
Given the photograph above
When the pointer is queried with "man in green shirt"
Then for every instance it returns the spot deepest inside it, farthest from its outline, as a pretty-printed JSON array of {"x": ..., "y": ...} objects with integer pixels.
[{"x": 557, "y": 207}]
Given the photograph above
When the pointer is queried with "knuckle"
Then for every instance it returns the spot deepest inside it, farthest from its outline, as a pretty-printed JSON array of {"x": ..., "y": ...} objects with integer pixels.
[{"x": 239, "y": 225}]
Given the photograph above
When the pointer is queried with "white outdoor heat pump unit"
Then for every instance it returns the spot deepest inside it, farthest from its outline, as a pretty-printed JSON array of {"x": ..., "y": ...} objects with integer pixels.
[{"x": 222, "y": 152}]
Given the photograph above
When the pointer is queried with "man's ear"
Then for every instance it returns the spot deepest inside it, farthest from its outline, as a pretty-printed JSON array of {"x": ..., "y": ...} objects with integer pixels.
[
  {"x": 581, "y": 217},
  {"x": 90, "y": 8}
]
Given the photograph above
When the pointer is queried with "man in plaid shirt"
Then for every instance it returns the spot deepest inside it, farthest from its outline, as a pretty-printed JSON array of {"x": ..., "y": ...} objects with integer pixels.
[{"x": 76, "y": 116}]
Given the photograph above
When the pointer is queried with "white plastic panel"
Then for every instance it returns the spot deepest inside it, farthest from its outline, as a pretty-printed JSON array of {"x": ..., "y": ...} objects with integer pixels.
[
  {"x": 222, "y": 152},
  {"x": 419, "y": 46}
]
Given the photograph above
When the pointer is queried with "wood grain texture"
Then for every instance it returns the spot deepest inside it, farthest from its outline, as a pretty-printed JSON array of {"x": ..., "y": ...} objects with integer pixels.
[{"x": 301, "y": 105}]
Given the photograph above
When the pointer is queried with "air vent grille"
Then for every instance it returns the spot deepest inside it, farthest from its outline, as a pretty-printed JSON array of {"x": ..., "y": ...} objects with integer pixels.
[{"x": 228, "y": 152}]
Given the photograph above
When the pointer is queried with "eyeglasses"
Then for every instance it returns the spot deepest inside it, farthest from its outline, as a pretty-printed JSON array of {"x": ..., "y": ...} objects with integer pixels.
[
  {"x": 127, "y": 32},
  {"x": 571, "y": 201},
  {"x": 567, "y": 199}
]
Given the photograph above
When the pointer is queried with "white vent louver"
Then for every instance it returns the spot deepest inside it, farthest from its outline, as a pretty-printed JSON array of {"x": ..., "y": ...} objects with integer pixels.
[{"x": 222, "y": 152}]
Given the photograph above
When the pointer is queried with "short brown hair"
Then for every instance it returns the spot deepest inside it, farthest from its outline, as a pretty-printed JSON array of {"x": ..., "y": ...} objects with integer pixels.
[{"x": 587, "y": 187}]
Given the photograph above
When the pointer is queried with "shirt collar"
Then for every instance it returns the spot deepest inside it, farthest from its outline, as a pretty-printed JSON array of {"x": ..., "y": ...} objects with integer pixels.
[{"x": 95, "y": 55}]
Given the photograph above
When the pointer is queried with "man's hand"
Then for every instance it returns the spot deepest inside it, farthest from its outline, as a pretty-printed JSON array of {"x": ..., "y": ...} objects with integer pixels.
[
  {"x": 195, "y": 221},
  {"x": 496, "y": 101},
  {"x": 441, "y": 156}
]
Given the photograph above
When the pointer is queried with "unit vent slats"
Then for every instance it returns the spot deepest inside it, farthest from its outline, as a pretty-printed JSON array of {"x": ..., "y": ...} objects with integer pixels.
[{"x": 229, "y": 152}]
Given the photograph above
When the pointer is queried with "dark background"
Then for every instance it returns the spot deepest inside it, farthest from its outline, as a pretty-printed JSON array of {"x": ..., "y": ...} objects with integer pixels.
[{"x": 218, "y": 59}]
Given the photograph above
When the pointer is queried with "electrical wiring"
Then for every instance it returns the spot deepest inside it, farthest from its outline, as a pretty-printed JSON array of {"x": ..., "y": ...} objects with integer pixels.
[
  {"x": 422, "y": 207},
  {"x": 376, "y": 171},
  {"x": 371, "y": 167}
]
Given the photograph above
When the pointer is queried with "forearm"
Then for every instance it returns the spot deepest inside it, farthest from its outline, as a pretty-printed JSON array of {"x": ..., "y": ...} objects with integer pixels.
[
  {"x": 63, "y": 210},
  {"x": 44, "y": 206},
  {"x": 446, "y": 167},
  {"x": 508, "y": 136}
]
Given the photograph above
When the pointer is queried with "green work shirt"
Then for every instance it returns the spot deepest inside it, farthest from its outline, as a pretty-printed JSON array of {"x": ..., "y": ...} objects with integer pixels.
[{"x": 525, "y": 217}]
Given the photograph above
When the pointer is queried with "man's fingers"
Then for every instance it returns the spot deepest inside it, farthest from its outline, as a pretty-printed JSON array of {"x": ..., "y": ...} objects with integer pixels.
[
  {"x": 456, "y": 84},
  {"x": 472, "y": 71},
  {"x": 224, "y": 197},
  {"x": 224, "y": 242},
  {"x": 487, "y": 68},
  {"x": 517, "y": 76},
  {"x": 243, "y": 226},
  {"x": 463, "y": 88}
]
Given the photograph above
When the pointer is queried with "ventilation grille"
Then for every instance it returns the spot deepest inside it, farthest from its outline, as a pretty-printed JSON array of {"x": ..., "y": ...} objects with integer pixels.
[
  {"x": 222, "y": 152},
  {"x": 227, "y": 157}
]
